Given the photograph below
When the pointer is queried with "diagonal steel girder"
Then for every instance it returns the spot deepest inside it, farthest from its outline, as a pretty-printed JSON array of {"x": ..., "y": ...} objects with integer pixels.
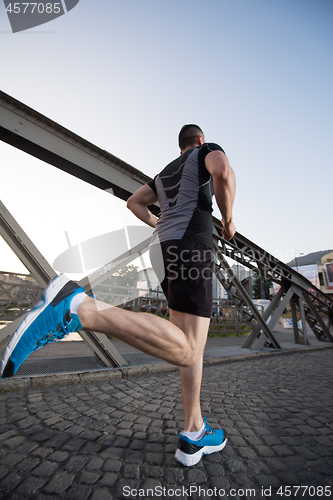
[
  {"x": 37, "y": 265},
  {"x": 245, "y": 299}
]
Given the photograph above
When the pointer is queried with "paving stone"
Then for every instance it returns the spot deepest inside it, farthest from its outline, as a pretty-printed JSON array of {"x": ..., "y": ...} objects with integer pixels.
[
  {"x": 153, "y": 471},
  {"x": 268, "y": 481},
  {"x": 112, "y": 452},
  {"x": 90, "y": 448},
  {"x": 112, "y": 465},
  {"x": 154, "y": 458},
  {"x": 3, "y": 471},
  {"x": 42, "y": 452},
  {"x": 282, "y": 450},
  {"x": 197, "y": 476},
  {"x": 11, "y": 459},
  {"x": 101, "y": 494},
  {"x": 52, "y": 420},
  {"x": 58, "y": 439},
  {"x": 247, "y": 452},
  {"x": 58, "y": 456},
  {"x": 10, "y": 482},
  {"x": 271, "y": 440},
  {"x": 237, "y": 441},
  {"x": 101, "y": 443},
  {"x": 94, "y": 464},
  {"x": 174, "y": 476},
  {"x": 73, "y": 445},
  {"x": 150, "y": 486},
  {"x": 108, "y": 479},
  {"x": 234, "y": 464},
  {"x": 31, "y": 485},
  {"x": 76, "y": 463},
  {"x": 7, "y": 432},
  {"x": 131, "y": 471},
  {"x": 265, "y": 451},
  {"x": 124, "y": 486},
  {"x": 27, "y": 464},
  {"x": 305, "y": 452},
  {"x": 220, "y": 483},
  {"x": 13, "y": 441},
  {"x": 59, "y": 483},
  {"x": 88, "y": 477},
  {"x": 45, "y": 469},
  {"x": 214, "y": 469},
  {"x": 78, "y": 492}
]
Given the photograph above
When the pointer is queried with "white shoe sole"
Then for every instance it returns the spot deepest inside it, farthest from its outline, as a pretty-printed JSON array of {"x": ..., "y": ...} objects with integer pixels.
[
  {"x": 49, "y": 293},
  {"x": 189, "y": 460}
]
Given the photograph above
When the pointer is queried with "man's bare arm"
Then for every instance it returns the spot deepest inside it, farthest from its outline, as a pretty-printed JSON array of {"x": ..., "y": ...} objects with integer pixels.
[
  {"x": 224, "y": 183},
  {"x": 138, "y": 203}
]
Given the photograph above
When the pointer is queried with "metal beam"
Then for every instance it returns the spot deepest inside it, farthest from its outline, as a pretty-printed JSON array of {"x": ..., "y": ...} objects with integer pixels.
[
  {"x": 293, "y": 306},
  {"x": 242, "y": 292},
  {"x": 276, "y": 307},
  {"x": 37, "y": 135},
  {"x": 304, "y": 330},
  {"x": 329, "y": 322},
  {"x": 23, "y": 247},
  {"x": 319, "y": 319},
  {"x": 100, "y": 275},
  {"x": 34, "y": 261}
]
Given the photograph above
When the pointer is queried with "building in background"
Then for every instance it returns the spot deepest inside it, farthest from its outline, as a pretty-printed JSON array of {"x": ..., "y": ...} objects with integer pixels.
[{"x": 325, "y": 274}]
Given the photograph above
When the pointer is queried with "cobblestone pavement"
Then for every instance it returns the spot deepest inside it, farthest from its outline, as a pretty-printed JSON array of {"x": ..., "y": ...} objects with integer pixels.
[{"x": 117, "y": 438}]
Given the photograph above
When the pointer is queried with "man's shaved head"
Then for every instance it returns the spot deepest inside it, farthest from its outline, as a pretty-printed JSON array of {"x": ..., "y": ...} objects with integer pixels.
[{"x": 188, "y": 136}]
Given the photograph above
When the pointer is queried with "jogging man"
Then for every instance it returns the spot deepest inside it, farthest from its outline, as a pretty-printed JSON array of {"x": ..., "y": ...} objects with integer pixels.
[{"x": 181, "y": 253}]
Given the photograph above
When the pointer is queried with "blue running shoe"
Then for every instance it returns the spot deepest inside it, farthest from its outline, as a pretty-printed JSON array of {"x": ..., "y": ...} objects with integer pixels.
[
  {"x": 49, "y": 321},
  {"x": 189, "y": 452}
]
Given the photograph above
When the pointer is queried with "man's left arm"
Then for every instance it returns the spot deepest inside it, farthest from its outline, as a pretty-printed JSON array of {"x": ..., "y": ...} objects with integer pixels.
[
  {"x": 224, "y": 184},
  {"x": 138, "y": 203}
]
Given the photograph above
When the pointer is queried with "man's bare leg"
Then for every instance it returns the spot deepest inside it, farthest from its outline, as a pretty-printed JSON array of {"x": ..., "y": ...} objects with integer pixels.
[
  {"x": 180, "y": 341},
  {"x": 151, "y": 334},
  {"x": 194, "y": 327}
]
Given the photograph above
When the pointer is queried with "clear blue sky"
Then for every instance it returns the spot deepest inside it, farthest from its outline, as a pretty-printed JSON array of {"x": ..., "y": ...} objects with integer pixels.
[{"x": 256, "y": 75}]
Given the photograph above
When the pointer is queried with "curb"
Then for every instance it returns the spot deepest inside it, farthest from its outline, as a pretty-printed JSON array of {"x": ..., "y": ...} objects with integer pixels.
[{"x": 18, "y": 384}]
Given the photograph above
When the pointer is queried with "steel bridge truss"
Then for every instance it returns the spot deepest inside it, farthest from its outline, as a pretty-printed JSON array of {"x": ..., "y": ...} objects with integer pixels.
[
  {"x": 304, "y": 298},
  {"x": 33, "y": 133}
]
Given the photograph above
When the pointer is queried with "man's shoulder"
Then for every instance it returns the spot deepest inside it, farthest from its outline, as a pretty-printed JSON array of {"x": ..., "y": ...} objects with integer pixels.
[
  {"x": 208, "y": 147},
  {"x": 174, "y": 165}
]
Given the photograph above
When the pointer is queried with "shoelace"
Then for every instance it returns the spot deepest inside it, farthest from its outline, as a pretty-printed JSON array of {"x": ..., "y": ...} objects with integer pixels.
[
  {"x": 54, "y": 336},
  {"x": 209, "y": 430}
]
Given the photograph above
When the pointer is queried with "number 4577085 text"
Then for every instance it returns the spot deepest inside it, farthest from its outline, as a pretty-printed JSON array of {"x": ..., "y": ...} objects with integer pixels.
[{"x": 30, "y": 8}]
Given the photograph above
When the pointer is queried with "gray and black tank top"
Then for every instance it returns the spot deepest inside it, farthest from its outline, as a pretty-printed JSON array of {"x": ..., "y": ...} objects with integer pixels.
[{"x": 184, "y": 189}]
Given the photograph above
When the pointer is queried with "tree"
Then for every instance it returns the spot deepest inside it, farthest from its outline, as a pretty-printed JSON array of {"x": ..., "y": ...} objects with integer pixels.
[
  {"x": 127, "y": 276},
  {"x": 257, "y": 287}
]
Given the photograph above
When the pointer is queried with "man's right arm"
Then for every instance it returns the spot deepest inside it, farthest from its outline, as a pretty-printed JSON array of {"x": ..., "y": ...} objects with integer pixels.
[
  {"x": 138, "y": 203},
  {"x": 224, "y": 183}
]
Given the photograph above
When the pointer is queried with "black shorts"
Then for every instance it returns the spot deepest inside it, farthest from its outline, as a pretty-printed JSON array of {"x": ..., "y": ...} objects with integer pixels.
[{"x": 185, "y": 269}]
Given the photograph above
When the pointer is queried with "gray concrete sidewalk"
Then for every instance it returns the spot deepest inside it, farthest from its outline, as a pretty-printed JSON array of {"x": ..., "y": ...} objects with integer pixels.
[{"x": 75, "y": 357}]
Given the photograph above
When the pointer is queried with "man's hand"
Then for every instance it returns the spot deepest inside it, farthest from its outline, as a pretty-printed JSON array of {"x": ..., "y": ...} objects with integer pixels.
[{"x": 229, "y": 230}]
